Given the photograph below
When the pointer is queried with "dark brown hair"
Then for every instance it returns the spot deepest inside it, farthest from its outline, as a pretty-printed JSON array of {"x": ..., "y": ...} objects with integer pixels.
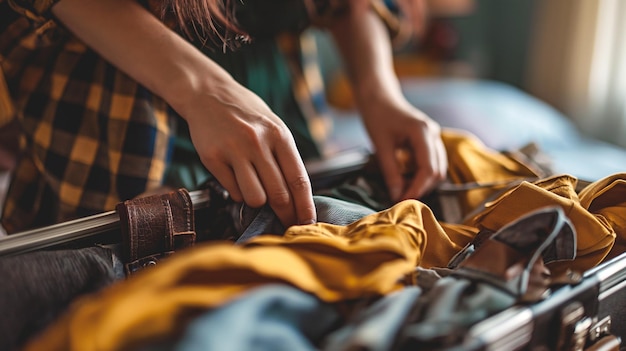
[{"x": 206, "y": 20}]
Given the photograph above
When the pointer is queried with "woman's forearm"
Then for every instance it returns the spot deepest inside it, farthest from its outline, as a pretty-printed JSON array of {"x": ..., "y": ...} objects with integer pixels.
[
  {"x": 237, "y": 136},
  {"x": 365, "y": 47},
  {"x": 131, "y": 38}
]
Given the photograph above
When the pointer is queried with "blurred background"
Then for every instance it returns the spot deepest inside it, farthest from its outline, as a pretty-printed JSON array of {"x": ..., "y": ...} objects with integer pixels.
[
  {"x": 568, "y": 53},
  {"x": 515, "y": 72}
]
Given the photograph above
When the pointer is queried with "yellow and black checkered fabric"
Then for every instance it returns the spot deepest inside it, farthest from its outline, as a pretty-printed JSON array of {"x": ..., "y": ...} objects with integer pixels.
[
  {"x": 92, "y": 136},
  {"x": 76, "y": 111}
]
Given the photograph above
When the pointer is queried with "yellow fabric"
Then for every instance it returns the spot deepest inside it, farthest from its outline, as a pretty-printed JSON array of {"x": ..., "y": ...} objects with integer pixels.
[
  {"x": 74, "y": 110},
  {"x": 606, "y": 199},
  {"x": 598, "y": 214},
  {"x": 364, "y": 259},
  {"x": 488, "y": 171},
  {"x": 338, "y": 263}
]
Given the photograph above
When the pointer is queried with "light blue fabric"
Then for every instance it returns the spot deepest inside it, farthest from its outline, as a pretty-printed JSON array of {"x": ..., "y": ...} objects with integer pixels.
[{"x": 269, "y": 318}]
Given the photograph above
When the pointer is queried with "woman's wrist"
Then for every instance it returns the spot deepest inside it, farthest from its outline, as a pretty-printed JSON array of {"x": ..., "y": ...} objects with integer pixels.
[
  {"x": 193, "y": 84},
  {"x": 376, "y": 97}
]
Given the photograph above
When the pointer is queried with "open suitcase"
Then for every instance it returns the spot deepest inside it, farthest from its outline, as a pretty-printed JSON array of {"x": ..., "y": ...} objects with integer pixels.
[{"x": 587, "y": 315}]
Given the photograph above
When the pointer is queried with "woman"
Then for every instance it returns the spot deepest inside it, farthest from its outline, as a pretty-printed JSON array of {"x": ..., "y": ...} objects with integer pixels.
[{"x": 98, "y": 87}]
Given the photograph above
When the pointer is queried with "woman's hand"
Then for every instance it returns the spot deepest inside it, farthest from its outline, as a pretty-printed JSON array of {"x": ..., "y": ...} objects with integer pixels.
[
  {"x": 239, "y": 139},
  {"x": 392, "y": 122},
  {"x": 251, "y": 152},
  {"x": 400, "y": 127}
]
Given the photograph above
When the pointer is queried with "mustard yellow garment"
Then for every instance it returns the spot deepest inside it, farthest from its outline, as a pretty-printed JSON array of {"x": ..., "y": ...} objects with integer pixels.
[
  {"x": 366, "y": 258},
  {"x": 606, "y": 199},
  {"x": 337, "y": 263},
  {"x": 598, "y": 214},
  {"x": 471, "y": 161}
]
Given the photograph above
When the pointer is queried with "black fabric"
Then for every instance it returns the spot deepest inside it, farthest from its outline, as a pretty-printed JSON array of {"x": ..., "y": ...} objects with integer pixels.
[
  {"x": 365, "y": 187},
  {"x": 37, "y": 287},
  {"x": 263, "y": 19}
]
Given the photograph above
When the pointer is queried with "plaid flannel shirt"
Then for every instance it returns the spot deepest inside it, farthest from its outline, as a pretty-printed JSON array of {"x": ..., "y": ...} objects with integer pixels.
[
  {"x": 91, "y": 135},
  {"x": 75, "y": 111}
]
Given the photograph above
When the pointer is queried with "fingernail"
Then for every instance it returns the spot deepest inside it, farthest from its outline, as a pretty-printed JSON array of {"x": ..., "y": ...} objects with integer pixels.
[{"x": 308, "y": 221}]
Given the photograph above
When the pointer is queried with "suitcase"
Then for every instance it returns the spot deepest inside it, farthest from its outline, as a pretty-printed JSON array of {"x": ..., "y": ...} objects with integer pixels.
[
  {"x": 588, "y": 315},
  {"x": 104, "y": 227}
]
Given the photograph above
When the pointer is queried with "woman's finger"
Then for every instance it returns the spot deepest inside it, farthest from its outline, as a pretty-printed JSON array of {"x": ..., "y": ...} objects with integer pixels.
[
  {"x": 297, "y": 181},
  {"x": 226, "y": 177},
  {"x": 248, "y": 180}
]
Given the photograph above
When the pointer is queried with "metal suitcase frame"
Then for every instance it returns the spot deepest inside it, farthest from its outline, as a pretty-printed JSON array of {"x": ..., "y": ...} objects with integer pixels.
[
  {"x": 98, "y": 226},
  {"x": 574, "y": 317}
]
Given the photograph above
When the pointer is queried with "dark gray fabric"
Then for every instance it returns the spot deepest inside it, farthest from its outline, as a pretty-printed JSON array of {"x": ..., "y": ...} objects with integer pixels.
[
  {"x": 471, "y": 294},
  {"x": 446, "y": 312},
  {"x": 376, "y": 327},
  {"x": 329, "y": 210},
  {"x": 365, "y": 187},
  {"x": 37, "y": 287},
  {"x": 339, "y": 212},
  {"x": 257, "y": 221}
]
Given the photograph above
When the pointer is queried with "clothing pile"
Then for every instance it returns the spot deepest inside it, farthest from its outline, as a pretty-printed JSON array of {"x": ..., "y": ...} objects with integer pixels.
[{"x": 361, "y": 278}]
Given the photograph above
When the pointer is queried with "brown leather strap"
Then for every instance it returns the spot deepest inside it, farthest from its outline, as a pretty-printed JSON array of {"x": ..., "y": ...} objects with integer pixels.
[{"x": 153, "y": 227}]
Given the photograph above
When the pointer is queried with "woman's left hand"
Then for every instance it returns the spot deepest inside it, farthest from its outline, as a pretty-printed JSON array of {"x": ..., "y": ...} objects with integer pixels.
[
  {"x": 392, "y": 122},
  {"x": 399, "y": 127}
]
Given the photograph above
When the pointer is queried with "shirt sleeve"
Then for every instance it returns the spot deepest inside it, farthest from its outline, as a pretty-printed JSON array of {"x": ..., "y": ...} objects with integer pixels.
[
  {"x": 37, "y": 10},
  {"x": 323, "y": 12}
]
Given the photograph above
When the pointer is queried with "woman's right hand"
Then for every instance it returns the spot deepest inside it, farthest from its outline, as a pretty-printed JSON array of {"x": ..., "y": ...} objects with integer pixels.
[
  {"x": 250, "y": 151},
  {"x": 239, "y": 139}
]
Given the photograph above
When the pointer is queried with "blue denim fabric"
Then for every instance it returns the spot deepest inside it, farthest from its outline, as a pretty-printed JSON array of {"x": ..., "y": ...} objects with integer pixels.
[
  {"x": 37, "y": 287},
  {"x": 375, "y": 328},
  {"x": 272, "y": 318},
  {"x": 329, "y": 210}
]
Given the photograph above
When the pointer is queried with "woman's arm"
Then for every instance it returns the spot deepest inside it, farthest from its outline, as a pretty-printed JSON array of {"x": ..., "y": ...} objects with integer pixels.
[
  {"x": 239, "y": 139},
  {"x": 393, "y": 123}
]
